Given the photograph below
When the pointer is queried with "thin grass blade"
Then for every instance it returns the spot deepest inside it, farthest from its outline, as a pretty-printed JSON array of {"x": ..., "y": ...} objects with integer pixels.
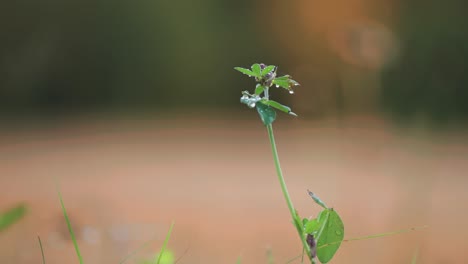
[
  {"x": 70, "y": 229},
  {"x": 158, "y": 260}
]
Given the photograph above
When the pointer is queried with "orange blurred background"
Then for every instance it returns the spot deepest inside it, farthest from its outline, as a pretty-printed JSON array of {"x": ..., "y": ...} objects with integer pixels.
[{"x": 133, "y": 108}]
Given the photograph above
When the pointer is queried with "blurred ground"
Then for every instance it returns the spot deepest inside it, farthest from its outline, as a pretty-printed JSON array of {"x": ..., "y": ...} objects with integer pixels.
[{"x": 123, "y": 181}]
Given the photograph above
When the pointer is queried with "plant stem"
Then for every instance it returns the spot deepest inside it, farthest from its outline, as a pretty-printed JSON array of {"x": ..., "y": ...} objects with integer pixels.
[{"x": 297, "y": 222}]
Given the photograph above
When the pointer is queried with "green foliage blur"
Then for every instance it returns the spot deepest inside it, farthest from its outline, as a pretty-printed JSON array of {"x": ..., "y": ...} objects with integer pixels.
[{"x": 60, "y": 57}]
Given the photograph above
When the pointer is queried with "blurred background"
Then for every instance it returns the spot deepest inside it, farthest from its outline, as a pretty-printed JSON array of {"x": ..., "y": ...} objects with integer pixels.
[{"x": 133, "y": 108}]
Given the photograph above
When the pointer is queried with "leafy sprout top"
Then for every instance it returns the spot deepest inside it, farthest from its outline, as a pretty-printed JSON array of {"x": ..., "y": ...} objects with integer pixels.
[{"x": 265, "y": 76}]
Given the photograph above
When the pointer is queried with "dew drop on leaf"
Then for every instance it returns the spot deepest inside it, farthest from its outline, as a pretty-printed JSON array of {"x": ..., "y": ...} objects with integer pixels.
[
  {"x": 291, "y": 92},
  {"x": 252, "y": 105}
]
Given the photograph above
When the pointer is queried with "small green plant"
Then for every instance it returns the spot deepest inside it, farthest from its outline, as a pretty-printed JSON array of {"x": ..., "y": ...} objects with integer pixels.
[{"x": 322, "y": 236}]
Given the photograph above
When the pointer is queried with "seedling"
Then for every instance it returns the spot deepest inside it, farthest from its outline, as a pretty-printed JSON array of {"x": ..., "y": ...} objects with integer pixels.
[{"x": 322, "y": 236}]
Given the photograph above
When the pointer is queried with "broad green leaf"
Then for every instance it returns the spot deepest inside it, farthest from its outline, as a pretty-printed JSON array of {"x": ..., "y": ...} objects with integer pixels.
[
  {"x": 311, "y": 226},
  {"x": 281, "y": 83},
  {"x": 285, "y": 82},
  {"x": 268, "y": 69},
  {"x": 245, "y": 71},
  {"x": 257, "y": 70},
  {"x": 267, "y": 114},
  {"x": 259, "y": 89},
  {"x": 317, "y": 199},
  {"x": 12, "y": 216},
  {"x": 332, "y": 233}
]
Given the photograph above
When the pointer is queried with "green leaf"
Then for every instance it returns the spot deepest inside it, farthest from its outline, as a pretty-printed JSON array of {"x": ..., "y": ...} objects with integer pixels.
[
  {"x": 268, "y": 69},
  {"x": 246, "y": 71},
  {"x": 12, "y": 216},
  {"x": 70, "y": 229},
  {"x": 267, "y": 114},
  {"x": 259, "y": 89},
  {"x": 163, "y": 249},
  {"x": 331, "y": 233},
  {"x": 281, "y": 83},
  {"x": 257, "y": 70},
  {"x": 313, "y": 226},
  {"x": 285, "y": 82},
  {"x": 279, "y": 106}
]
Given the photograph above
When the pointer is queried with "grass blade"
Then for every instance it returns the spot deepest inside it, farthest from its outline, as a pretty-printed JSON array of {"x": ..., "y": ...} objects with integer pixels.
[
  {"x": 415, "y": 256},
  {"x": 70, "y": 229},
  {"x": 165, "y": 243},
  {"x": 42, "y": 249},
  {"x": 131, "y": 254}
]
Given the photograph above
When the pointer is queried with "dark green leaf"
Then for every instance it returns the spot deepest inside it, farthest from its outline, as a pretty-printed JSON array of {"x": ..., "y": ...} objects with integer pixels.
[
  {"x": 267, "y": 114},
  {"x": 268, "y": 69},
  {"x": 246, "y": 71},
  {"x": 259, "y": 89},
  {"x": 12, "y": 216},
  {"x": 257, "y": 70},
  {"x": 330, "y": 236}
]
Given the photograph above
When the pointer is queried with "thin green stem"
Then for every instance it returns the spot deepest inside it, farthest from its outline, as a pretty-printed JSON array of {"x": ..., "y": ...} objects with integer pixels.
[{"x": 284, "y": 188}]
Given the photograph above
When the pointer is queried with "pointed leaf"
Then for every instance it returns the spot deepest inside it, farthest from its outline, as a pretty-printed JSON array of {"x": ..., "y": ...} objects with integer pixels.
[
  {"x": 257, "y": 70},
  {"x": 267, "y": 113},
  {"x": 332, "y": 233},
  {"x": 285, "y": 82},
  {"x": 12, "y": 216},
  {"x": 245, "y": 71},
  {"x": 259, "y": 89},
  {"x": 279, "y": 106},
  {"x": 281, "y": 83},
  {"x": 268, "y": 69}
]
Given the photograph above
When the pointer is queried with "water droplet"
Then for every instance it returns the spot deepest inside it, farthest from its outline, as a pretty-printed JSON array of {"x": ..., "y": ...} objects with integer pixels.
[
  {"x": 296, "y": 84},
  {"x": 291, "y": 92},
  {"x": 251, "y": 105},
  {"x": 338, "y": 232},
  {"x": 277, "y": 86}
]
